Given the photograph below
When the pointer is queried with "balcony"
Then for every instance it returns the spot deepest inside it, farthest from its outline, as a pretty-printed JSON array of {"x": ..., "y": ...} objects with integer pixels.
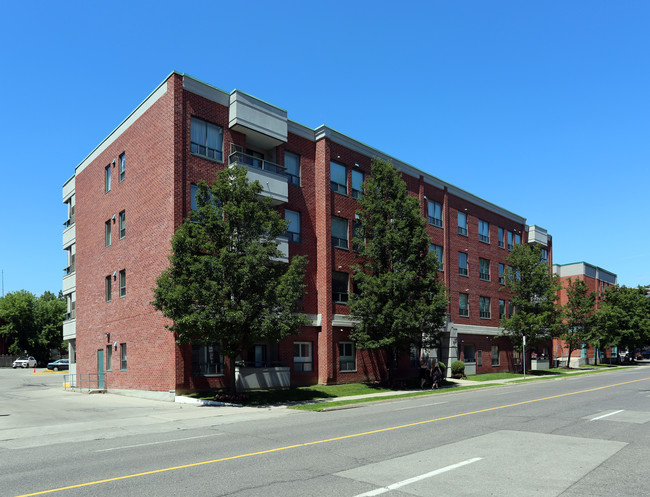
[
  {"x": 271, "y": 176},
  {"x": 69, "y": 328}
]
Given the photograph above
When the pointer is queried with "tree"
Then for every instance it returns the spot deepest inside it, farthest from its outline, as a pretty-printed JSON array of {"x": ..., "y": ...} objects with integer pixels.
[
  {"x": 623, "y": 318},
  {"x": 32, "y": 325},
  {"x": 399, "y": 299},
  {"x": 224, "y": 283},
  {"x": 579, "y": 312},
  {"x": 533, "y": 290}
]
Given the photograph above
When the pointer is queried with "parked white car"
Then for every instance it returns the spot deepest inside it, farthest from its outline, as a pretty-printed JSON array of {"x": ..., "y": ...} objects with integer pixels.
[{"x": 24, "y": 362}]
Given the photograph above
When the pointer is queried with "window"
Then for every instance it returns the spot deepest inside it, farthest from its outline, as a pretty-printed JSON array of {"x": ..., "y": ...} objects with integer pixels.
[
  {"x": 122, "y": 167},
  {"x": 338, "y": 178},
  {"x": 435, "y": 213},
  {"x": 122, "y": 357},
  {"x": 292, "y": 167},
  {"x": 207, "y": 360},
  {"x": 469, "y": 353},
  {"x": 107, "y": 179},
  {"x": 123, "y": 283},
  {"x": 517, "y": 239},
  {"x": 494, "y": 354},
  {"x": 463, "y": 304},
  {"x": 511, "y": 308},
  {"x": 347, "y": 357},
  {"x": 501, "y": 241},
  {"x": 108, "y": 288},
  {"x": 509, "y": 240},
  {"x": 122, "y": 224},
  {"x": 502, "y": 270},
  {"x": 293, "y": 230},
  {"x": 484, "y": 306},
  {"x": 484, "y": 269},
  {"x": 339, "y": 232},
  {"x": 340, "y": 287},
  {"x": 302, "y": 357},
  {"x": 357, "y": 180},
  {"x": 502, "y": 308},
  {"x": 544, "y": 256},
  {"x": 462, "y": 223},
  {"x": 259, "y": 356},
  {"x": 206, "y": 139},
  {"x": 109, "y": 358},
  {"x": 107, "y": 226},
  {"x": 462, "y": 264},
  {"x": 194, "y": 189},
  {"x": 357, "y": 234},
  {"x": 483, "y": 231},
  {"x": 437, "y": 249}
]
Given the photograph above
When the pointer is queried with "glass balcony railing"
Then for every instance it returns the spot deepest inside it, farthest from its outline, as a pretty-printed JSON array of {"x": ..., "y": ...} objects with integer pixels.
[{"x": 242, "y": 159}]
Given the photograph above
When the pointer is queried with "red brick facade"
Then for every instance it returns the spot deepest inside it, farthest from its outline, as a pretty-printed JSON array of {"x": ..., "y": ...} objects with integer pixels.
[{"x": 155, "y": 197}]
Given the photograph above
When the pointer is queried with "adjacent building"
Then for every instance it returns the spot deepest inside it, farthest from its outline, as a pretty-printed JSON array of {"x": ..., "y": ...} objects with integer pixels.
[
  {"x": 597, "y": 280},
  {"x": 128, "y": 196}
]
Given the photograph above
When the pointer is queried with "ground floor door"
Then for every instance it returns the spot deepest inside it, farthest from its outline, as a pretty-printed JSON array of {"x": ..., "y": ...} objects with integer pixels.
[{"x": 100, "y": 369}]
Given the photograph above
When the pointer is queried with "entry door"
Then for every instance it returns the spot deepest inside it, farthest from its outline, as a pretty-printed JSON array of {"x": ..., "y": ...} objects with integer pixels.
[{"x": 100, "y": 369}]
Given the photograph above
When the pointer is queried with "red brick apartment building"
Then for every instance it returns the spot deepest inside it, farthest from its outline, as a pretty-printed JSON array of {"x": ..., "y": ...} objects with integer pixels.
[
  {"x": 135, "y": 188},
  {"x": 597, "y": 280}
]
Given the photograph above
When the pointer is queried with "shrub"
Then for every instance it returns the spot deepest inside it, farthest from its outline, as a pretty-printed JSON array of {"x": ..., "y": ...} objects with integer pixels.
[{"x": 458, "y": 368}]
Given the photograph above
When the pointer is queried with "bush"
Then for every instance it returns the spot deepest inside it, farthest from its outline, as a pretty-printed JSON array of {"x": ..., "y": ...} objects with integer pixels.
[
  {"x": 458, "y": 368},
  {"x": 442, "y": 367}
]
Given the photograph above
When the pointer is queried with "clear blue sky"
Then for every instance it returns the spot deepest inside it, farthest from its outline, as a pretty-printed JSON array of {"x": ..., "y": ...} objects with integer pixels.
[{"x": 542, "y": 108}]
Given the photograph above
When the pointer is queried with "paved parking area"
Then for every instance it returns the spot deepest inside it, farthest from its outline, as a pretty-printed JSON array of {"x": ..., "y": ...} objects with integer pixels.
[{"x": 35, "y": 410}]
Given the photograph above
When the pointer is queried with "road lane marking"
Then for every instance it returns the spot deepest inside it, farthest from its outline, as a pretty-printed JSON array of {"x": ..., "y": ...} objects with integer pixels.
[
  {"x": 403, "y": 483},
  {"x": 605, "y": 415},
  {"x": 420, "y": 406},
  {"x": 156, "y": 443},
  {"x": 307, "y": 444}
]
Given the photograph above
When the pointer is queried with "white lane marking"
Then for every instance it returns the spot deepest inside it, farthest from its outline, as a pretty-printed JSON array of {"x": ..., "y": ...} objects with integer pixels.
[
  {"x": 605, "y": 415},
  {"x": 402, "y": 483},
  {"x": 156, "y": 443},
  {"x": 422, "y": 405}
]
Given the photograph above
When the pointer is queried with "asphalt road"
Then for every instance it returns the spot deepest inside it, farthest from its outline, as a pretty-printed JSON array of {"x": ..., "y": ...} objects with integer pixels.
[{"x": 575, "y": 436}]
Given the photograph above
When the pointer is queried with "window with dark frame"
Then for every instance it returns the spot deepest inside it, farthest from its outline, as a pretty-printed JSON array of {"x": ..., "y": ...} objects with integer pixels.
[
  {"x": 462, "y": 264},
  {"x": 293, "y": 229},
  {"x": 438, "y": 250},
  {"x": 347, "y": 357},
  {"x": 206, "y": 139},
  {"x": 339, "y": 232},
  {"x": 435, "y": 213},
  {"x": 462, "y": 223},
  {"x": 338, "y": 178},
  {"x": 123, "y": 283},
  {"x": 501, "y": 240},
  {"x": 122, "y": 167},
  {"x": 292, "y": 167},
  {"x": 107, "y": 179},
  {"x": 357, "y": 181},
  {"x": 108, "y": 288},
  {"x": 483, "y": 231},
  {"x": 302, "y": 357},
  {"x": 463, "y": 304},
  {"x": 484, "y": 307},
  {"x": 107, "y": 236},
  {"x": 340, "y": 287},
  {"x": 207, "y": 360},
  {"x": 484, "y": 269},
  {"x": 122, "y": 224},
  {"x": 122, "y": 357}
]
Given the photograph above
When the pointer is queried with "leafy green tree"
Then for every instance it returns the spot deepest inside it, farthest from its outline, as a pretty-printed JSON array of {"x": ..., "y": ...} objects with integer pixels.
[
  {"x": 399, "y": 299},
  {"x": 533, "y": 291},
  {"x": 623, "y": 318},
  {"x": 32, "y": 325},
  {"x": 224, "y": 283},
  {"x": 579, "y": 312}
]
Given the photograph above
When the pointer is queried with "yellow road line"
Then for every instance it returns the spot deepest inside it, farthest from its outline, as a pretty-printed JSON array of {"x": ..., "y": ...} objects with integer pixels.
[{"x": 344, "y": 437}]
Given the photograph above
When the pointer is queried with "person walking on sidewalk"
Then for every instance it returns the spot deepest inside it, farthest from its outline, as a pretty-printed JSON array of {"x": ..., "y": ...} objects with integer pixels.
[
  {"x": 425, "y": 374},
  {"x": 436, "y": 376}
]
